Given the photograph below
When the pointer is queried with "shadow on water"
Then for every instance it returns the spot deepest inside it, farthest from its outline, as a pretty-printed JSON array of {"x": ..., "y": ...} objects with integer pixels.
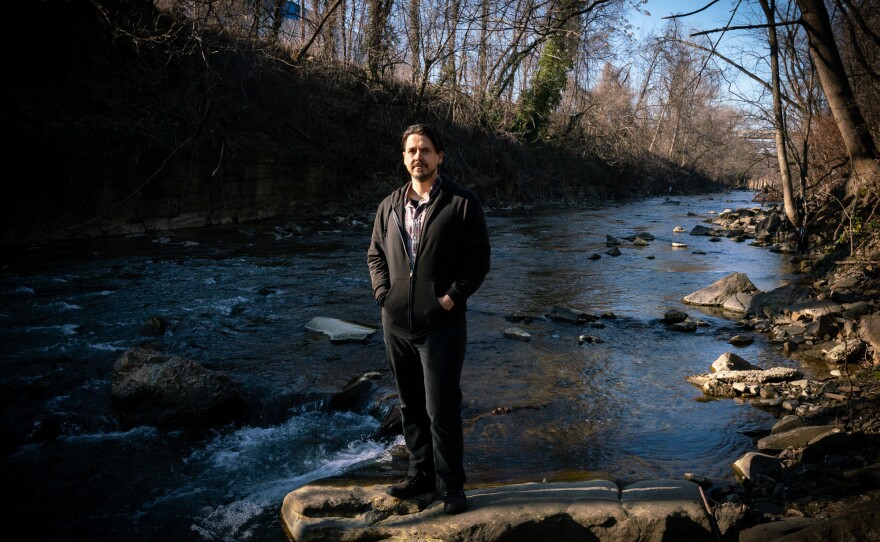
[{"x": 237, "y": 302}]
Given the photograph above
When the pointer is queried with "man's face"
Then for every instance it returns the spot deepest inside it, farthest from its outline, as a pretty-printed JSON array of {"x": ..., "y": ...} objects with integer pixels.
[{"x": 421, "y": 158}]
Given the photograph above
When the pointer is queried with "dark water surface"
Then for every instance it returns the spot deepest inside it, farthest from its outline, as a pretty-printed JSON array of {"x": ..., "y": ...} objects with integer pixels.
[{"x": 237, "y": 301}]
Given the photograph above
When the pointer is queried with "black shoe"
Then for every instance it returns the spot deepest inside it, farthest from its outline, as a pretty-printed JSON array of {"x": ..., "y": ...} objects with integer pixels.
[
  {"x": 419, "y": 484},
  {"x": 454, "y": 501}
]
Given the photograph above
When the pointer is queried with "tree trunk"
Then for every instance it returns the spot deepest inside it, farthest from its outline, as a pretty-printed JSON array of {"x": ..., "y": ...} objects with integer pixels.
[
  {"x": 860, "y": 145},
  {"x": 778, "y": 119},
  {"x": 377, "y": 36}
]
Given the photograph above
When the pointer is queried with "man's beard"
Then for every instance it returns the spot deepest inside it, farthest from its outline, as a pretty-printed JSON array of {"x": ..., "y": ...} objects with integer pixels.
[{"x": 423, "y": 175}]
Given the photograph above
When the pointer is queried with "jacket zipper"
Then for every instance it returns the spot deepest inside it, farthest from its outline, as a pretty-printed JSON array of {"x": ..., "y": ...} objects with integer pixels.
[
  {"x": 412, "y": 263},
  {"x": 412, "y": 266}
]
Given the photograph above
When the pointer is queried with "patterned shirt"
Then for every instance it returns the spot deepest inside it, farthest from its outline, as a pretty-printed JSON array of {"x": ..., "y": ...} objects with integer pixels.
[{"x": 414, "y": 216}]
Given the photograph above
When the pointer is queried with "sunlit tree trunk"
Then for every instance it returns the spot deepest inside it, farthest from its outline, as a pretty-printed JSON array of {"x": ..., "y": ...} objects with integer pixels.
[
  {"x": 377, "y": 36},
  {"x": 860, "y": 146},
  {"x": 415, "y": 38},
  {"x": 769, "y": 8}
]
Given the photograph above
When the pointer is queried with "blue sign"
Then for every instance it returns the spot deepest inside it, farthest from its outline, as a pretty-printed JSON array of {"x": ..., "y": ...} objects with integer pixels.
[{"x": 292, "y": 10}]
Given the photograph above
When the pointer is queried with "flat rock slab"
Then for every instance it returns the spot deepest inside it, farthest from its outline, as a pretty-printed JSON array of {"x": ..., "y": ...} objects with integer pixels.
[
  {"x": 339, "y": 330},
  {"x": 591, "y": 510}
]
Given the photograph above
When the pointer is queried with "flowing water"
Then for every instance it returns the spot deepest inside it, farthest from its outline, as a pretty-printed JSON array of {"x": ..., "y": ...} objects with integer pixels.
[{"x": 237, "y": 300}]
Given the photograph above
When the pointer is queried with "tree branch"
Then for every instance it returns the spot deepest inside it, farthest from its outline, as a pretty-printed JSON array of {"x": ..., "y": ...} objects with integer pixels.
[
  {"x": 744, "y": 27},
  {"x": 678, "y": 15}
]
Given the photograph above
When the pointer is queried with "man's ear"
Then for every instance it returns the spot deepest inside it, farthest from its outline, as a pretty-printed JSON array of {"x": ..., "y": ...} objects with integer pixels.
[{"x": 440, "y": 158}]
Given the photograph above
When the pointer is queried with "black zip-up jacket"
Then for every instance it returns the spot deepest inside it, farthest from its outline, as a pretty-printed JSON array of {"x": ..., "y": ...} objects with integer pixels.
[{"x": 452, "y": 258}]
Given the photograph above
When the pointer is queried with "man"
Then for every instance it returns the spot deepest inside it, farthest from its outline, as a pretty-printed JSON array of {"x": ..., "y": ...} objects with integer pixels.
[{"x": 429, "y": 252}]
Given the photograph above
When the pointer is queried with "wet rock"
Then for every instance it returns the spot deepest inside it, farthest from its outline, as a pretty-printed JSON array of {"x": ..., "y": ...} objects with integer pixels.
[
  {"x": 721, "y": 290},
  {"x": 795, "y": 438},
  {"x": 589, "y": 339},
  {"x": 741, "y": 340},
  {"x": 678, "y": 245},
  {"x": 674, "y": 316},
  {"x": 594, "y": 256},
  {"x": 517, "y": 334},
  {"x": 154, "y": 326},
  {"x": 702, "y": 230},
  {"x": 611, "y": 241},
  {"x": 152, "y": 388},
  {"x": 779, "y": 300},
  {"x": 645, "y": 236},
  {"x": 687, "y": 326},
  {"x": 729, "y": 361},
  {"x": 613, "y": 251},
  {"x": 678, "y": 229},
  {"x": 639, "y": 242},
  {"x": 339, "y": 330},
  {"x": 569, "y": 314}
]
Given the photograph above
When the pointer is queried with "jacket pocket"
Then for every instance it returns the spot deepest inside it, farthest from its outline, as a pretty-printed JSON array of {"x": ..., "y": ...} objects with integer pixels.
[
  {"x": 427, "y": 311},
  {"x": 396, "y": 305}
]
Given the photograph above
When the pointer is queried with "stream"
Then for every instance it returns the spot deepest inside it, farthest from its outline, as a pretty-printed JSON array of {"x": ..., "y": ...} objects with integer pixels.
[{"x": 236, "y": 300}]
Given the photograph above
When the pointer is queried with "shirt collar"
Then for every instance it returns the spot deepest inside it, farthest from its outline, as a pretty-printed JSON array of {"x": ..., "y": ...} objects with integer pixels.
[{"x": 435, "y": 189}]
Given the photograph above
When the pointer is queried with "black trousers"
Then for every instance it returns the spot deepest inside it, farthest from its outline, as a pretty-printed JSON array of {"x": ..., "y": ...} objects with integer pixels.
[{"x": 427, "y": 372}]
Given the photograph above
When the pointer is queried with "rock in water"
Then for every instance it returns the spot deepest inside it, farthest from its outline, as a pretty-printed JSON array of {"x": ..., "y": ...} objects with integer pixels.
[
  {"x": 721, "y": 290},
  {"x": 153, "y": 388},
  {"x": 339, "y": 330}
]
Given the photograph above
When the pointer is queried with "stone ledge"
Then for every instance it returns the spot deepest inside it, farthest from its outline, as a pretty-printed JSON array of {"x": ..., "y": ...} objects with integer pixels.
[{"x": 591, "y": 510}]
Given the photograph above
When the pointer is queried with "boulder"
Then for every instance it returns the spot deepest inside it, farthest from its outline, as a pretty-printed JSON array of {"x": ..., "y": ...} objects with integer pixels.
[
  {"x": 721, "y": 290},
  {"x": 859, "y": 522},
  {"x": 152, "y": 388},
  {"x": 613, "y": 251},
  {"x": 814, "y": 309},
  {"x": 339, "y": 330},
  {"x": 674, "y": 316},
  {"x": 833, "y": 442},
  {"x": 729, "y": 361},
  {"x": 768, "y": 227},
  {"x": 752, "y": 464},
  {"x": 846, "y": 351},
  {"x": 869, "y": 331},
  {"x": 611, "y": 241},
  {"x": 741, "y": 340},
  {"x": 778, "y": 300},
  {"x": 795, "y": 438},
  {"x": 595, "y": 510},
  {"x": 787, "y": 423}
]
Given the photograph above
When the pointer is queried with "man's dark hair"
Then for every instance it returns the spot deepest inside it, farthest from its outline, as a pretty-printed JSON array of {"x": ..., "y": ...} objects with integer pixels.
[{"x": 422, "y": 130}]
